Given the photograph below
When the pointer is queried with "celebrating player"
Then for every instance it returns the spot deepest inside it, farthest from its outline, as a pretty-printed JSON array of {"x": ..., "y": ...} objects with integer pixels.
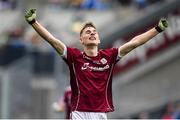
[{"x": 91, "y": 70}]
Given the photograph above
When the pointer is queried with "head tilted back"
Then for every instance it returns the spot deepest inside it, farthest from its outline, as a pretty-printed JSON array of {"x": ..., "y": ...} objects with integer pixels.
[{"x": 87, "y": 24}]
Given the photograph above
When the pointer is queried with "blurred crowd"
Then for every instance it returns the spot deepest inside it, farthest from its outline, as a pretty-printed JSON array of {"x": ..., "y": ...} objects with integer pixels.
[
  {"x": 12, "y": 45},
  {"x": 99, "y": 4},
  {"x": 83, "y": 4},
  {"x": 8, "y": 4},
  {"x": 169, "y": 111}
]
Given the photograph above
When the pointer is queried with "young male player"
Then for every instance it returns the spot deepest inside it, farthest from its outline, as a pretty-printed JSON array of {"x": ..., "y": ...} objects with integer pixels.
[{"x": 91, "y": 70}]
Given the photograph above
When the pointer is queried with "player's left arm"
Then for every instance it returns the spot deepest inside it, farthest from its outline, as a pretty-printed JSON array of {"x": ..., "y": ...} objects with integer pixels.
[{"x": 143, "y": 38}]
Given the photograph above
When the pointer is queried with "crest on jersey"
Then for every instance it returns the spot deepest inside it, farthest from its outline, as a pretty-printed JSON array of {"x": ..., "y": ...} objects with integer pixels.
[{"x": 103, "y": 61}]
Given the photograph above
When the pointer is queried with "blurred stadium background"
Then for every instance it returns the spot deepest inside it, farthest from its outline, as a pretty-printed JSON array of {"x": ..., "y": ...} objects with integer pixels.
[{"x": 33, "y": 76}]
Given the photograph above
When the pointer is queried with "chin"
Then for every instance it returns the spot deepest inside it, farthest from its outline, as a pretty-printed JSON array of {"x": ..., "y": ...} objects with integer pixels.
[{"x": 92, "y": 44}]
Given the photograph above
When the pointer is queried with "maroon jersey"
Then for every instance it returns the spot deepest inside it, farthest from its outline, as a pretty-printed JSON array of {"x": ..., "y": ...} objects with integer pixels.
[
  {"x": 91, "y": 79},
  {"x": 67, "y": 101}
]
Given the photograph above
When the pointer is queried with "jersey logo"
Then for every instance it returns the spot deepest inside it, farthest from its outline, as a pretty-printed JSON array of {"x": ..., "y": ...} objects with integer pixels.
[
  {"x": 103, "y": 61},
  {"x": 91, "y": 68}
]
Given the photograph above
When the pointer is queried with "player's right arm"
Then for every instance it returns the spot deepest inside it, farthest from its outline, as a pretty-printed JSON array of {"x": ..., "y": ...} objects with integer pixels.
[{"x": 30, "y": 16}]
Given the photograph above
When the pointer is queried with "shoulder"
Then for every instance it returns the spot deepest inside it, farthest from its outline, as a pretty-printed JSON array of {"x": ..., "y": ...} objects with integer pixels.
[
  {"x": 72, "y": 50},
  {"x": 109, "y": 51}
]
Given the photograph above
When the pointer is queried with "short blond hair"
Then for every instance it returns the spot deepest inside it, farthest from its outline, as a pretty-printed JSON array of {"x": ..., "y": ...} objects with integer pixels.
[{"x": 87, "y": 24}]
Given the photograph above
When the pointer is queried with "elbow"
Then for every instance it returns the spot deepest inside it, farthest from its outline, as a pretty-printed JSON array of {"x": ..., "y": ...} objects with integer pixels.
[{"x": 58, "y": 48}]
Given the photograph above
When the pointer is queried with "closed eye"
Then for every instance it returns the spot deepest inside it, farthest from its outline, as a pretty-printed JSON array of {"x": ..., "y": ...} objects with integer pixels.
[{"x": 88, "y": 32}]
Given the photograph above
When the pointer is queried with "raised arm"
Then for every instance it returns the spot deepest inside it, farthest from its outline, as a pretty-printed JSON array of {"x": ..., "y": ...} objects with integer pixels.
[
  {"x": 143, "y": 38},
  {"x": 30, "y": 16}
]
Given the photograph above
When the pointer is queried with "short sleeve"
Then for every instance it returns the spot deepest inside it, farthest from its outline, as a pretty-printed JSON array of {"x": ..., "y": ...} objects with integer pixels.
[
  {"x": 119, "y": 54},
  {"x": 115, "y": 55},
  {"x": 70, "y": 54},
  {"x": 64, "y": 55}
]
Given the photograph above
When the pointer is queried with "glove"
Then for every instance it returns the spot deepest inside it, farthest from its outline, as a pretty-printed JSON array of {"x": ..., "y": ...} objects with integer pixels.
[
  {"x": 162, "y": 25},
  {"x": 30, "y": 16}
]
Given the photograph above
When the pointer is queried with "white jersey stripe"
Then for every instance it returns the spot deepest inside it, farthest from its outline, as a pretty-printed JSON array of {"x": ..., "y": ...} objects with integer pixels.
[
  {"x": 107, "y": 86},
  {"x": 77, "y": 87},
  {"x": 64, "y": 55}
]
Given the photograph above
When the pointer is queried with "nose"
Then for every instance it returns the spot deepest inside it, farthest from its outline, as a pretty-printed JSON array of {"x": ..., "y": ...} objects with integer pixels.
[{"x": 92, "y": 33}]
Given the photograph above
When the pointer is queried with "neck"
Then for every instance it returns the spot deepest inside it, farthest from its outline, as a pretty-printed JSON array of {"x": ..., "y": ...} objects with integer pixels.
[{"x": 91, "y": 51}]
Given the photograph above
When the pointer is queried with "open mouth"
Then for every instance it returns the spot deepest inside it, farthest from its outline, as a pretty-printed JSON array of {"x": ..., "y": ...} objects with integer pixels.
[{"x": 92, "y": 38}]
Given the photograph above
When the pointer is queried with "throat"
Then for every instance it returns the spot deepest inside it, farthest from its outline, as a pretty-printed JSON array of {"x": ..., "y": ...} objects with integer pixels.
[{"x": 91, "y": 52}]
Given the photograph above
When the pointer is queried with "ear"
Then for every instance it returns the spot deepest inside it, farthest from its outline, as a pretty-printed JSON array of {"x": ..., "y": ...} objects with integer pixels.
[{"x": 81, "y": 40}]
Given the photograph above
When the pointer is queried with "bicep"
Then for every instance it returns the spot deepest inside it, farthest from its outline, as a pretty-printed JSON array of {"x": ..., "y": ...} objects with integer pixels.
[{"x": 59, "y": 46}]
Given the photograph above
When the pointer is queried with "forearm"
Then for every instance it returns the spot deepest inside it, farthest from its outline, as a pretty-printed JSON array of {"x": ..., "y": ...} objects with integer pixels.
[
  {"x": 143, "y": 38},
  {"x": 47, "y": 36},
  {"x": 137, "y": 41},
  {"x": 43, "y": 32}
]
